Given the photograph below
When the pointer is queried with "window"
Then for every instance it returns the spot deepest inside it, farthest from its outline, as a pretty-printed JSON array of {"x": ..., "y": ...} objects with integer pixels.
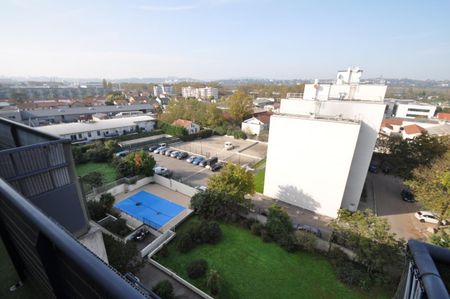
[
  {"x": 89, "y": 134},
  {"x": 73, "y": 137},
  {"x": 80, "y": 136},
  {"x": 418, "y": 110},
  {"x": 98, "y": 133}
]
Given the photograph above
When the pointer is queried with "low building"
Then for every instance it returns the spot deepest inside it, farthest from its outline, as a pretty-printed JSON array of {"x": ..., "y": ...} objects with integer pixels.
[
  {"x": 261, "y": 102},
  {"x": 409, "y": 128},
  {"x": 412, "y": 131},
  {"x": 253, "y": 126},
  {"x": 163, "y": 101},
  {"x": 414, "y": 110},
  {"x": 443, "y": 116},
  {"x": 163, "y": 89},
  {"x": 190, "y": 126},
  {"x": 93, "y": 130}
]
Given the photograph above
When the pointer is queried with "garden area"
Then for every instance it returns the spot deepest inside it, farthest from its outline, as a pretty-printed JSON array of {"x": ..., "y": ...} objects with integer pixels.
[
  {"x": 251, "y": 268},
  {"x": 259, "y": 181},
  {"x": 107, "y": 170}
]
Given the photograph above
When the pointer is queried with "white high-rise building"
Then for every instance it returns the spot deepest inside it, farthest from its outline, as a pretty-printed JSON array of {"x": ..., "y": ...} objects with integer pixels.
[
  {"x": 320, "y": 150},
  {"x": 204, "y": 93},
  {"x": 163, "y": 89}
]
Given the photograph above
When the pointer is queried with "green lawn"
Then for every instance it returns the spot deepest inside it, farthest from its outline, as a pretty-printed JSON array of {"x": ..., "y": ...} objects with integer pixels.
[
  {"x": 250, "y": 268},
  {"x": 260, "y": 163},
  {"x": 259, "y": 181},
  {"x": 109, "y": 172},
  {"x": 8, "y": 277}
]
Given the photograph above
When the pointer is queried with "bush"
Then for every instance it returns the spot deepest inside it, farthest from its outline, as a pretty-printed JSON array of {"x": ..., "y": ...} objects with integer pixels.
[
  {"x": 288, "y": 243},
  {"x": 98, "y": 209},
  {"x": 278, "y": 225},
  {"x": 265, "y": 236},
  {"x": 248, "y": 222},
  {"x": 164, "y": 289},
  {"x": 123, "y": 257},
  {"x": 306, "y": 241},
  {"x": 185, "y": 243},
  {"x": 256, "y": 228},
  {"x": 213, "y": 282},
  {"x": 119, "y": 227},
  {"x": 238, "y": 134},
  {"x": 212, "y": 233},
  {"x": 197, "y": 268}
]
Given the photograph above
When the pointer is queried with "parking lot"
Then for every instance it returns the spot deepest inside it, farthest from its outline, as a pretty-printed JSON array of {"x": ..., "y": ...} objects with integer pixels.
[{"x": 244, "y": 153}]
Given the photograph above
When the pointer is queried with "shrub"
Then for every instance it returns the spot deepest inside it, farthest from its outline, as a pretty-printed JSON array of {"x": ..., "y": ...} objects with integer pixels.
[
  {"x": 207, "y": 232},
  {"x": 353, "y": 274},
  {"x": 265, "y": 236},
  {"x": 93, "y": 179},
  {"x": 248, "y": 222},
  {"x": 123, "y": 257},
  {"x": 238, "y": 134},
  {"x": 306, "y": 241},
  {"x": 119, "y": 227},
  {"x": 164, "y": 289},
  {"x": 256, "y": 228},
  {"x": 185, "y": 243},
  {"x": 213, "y": 282},
  {"x": 288, "y": 243},
  {"x": 278, "y": 225},
  {"x": 197, "y": 268}
]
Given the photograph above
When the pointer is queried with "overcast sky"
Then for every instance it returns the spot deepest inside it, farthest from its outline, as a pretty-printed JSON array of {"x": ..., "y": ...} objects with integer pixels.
[{"x": 216, "y": 39}]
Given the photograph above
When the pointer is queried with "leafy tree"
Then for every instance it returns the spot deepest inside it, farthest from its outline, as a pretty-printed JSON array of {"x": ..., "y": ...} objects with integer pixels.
[
  {"x": 124, "y": 257},
  {"x": 164, "y": 289},
  {"x": 431, "y": 186},
  {"x": 197, "y": 268},
  {"x": 441, "y": 238},
  {"x": 119, "y": 227},
  {"x": 279, "y": 225},
  {"x": 233, "y": 180},
  {"x": 93, "y": 179},
  {"x": 98, "y": 209},
  {"x": 406, "y": 155},
  {"x": 115, "y": 96},
  {"x": 213, "y": 282},
  {"x": 219, "y": 205},
  {"x": 370, "y": 238},
  {"x": 185, "y": 242},
  {"x": 240, "y": 106},
  {"x": 136, "y": 163}
]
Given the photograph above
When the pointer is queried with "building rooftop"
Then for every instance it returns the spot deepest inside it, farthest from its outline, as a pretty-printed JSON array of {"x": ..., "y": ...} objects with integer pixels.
[
  {"x": 106, "y": 124},
  {"x": 443, "y": 116},
  {"x": 414, "y": 129},
  {"x": 441, "y": 130},
  {"x": 88, "y": 110},
  {"x": 182, "y": 122}
]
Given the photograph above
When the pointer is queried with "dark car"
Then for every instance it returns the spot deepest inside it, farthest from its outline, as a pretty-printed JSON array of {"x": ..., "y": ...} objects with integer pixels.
[
  {"x": 308, "y": 228},
  {"x": 208, "y": 162},
  {"x": 152, "y": 148},
  {"x": 407, "y": 195},
  {"x": 216, "y": 167},
  {"x": 373, "y": 168},
  {"x": 182, "y": 155},
  {"x": 198, "y": 160}
]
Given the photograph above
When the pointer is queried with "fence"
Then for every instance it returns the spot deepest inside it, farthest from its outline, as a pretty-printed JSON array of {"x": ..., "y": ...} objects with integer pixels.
[
  {"x": 119, "y": 186},
  {"x": 157, "y": 244}
]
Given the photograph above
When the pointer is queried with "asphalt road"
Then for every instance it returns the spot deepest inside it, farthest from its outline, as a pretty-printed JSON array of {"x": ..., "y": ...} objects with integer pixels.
[{"x": 388, "y": 204}]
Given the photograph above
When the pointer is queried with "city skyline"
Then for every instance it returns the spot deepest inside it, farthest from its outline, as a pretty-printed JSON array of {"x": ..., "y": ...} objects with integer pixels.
[{"x": 211, "y": 40}]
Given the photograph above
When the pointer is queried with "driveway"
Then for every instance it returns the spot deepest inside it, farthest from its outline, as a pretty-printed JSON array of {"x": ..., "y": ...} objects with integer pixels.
[{"x": 385, "y": 190}]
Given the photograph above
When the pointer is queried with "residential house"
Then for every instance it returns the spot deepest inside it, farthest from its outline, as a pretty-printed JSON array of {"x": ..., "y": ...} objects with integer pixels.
[
  {"x": 412, "y": 131},
  {"x": 190, "y": 126}
]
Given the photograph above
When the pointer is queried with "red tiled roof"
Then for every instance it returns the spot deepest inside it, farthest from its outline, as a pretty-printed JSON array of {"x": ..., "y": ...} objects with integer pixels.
[
  {"x": 443, "y": 115},
  {"x": 263, "y": 117},
  {"x": 414, "y": 129},
  {"x": 182, "y": 122},
  {"x": 389, "y": 122}
]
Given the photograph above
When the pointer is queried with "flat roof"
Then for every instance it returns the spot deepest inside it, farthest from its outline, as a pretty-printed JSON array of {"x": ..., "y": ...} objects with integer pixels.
[
  {"x": 86, "y": 110},
  {"x": 327, "y": 118},
  {"x": 106, "y": 124},
  {"x": 144, "y": 139}
]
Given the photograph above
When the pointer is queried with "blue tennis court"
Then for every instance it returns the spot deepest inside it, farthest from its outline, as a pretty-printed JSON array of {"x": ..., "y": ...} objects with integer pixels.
[{"x": 149, "y": 208}]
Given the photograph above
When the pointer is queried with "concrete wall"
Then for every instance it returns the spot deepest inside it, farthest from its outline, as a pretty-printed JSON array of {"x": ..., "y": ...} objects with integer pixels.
[
  {"x": 175, "y": 186},
  {"x": 251, "y": 128},
  {"x": 308, "y": 161},
  {"x": 352, "y": 92},
  {"x": 370, "y": 114}
]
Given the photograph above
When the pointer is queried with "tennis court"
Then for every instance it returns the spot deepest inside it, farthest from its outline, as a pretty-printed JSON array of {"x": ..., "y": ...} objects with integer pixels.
[{"x": 149, "y": 208}]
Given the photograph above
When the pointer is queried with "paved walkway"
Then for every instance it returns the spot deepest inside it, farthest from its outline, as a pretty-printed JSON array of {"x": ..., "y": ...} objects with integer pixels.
[{"x": 150, "y": 276}]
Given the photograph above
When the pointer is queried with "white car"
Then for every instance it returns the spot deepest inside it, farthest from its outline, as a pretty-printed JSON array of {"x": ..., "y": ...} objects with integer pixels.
[
  {"x": 424, "y": 216},
  {"x": 228, "y": 145},
  {"x": 161, "y": 171}
]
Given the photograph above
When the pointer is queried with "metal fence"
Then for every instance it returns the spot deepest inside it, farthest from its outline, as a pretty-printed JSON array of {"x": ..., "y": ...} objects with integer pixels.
[{"x": 92, "y": 194}]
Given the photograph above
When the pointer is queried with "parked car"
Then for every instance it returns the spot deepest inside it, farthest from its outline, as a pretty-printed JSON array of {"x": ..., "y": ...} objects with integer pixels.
[
  {"x": 373, "y": 168},
  {"x": 163, "y": 171},
  {"x": 425, "y": 216},
  {"x": 191, "y": 159},
  {"x": 407, "y": 195},
  {"x": 201, "y": 188},
  {"x": 174, "y": 154},
  {"x": 141, "y": 234},
  {"x": 308, "y": 228},
  {"x": 182, "y": 155},
  {"x": 228, "y": 145},
  {"x": 163, "y": 151},
  {"x": 159, "y": 149},
  {"x": 198, "y": 160},
  {"x": 216, "y": 167},
  {"x": 152, "y": 148},
  {"x": 208, "y": 162},
  {"x": 163, "y": 144},
  {"x": 168, "y": 152},
  {"x": 122, "y": 153}
]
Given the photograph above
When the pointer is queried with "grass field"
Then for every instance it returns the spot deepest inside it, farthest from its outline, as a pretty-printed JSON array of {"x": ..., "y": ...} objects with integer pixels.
[
  {"x": 8, "y": 277},
  {"x": 108, "y": 171},
  {"x": 250, "y": 268},
  {"x": 259, "y": 181}
]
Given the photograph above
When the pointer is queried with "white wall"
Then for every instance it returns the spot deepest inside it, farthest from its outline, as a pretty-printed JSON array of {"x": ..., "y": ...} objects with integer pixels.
[
  {"x": 404, "y": 110},
  {"x": 308, "y": 161},
  {"x": 175, "y": 186},
  {"x": 371, "y": 115},
  {"x": 352, "y": 92},
  {"x": 252, "y": 127}
]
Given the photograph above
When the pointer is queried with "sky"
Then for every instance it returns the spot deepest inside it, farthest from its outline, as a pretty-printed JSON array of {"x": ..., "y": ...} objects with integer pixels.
[{"x": 220, "y": 39}]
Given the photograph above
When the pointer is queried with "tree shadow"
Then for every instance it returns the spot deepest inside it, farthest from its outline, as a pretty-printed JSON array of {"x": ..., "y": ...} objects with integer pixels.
[{"x": 294, "y": 196}]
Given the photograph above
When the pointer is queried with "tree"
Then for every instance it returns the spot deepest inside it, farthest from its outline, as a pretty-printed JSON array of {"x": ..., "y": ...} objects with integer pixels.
[
  {"x": 213, "y": 282},
  {"x": 124, "y": 257},
  {"x": 219, "y": 205},
  {"x": 93, "y": 179},
  {"x": 136, "y": 163},
  {"x": 233, "y": 180},
  {"x": 431, "y": 186},
  {"x": 279, "y": 225},
  {"x": 197, "y": 268},
  {"x": 370, "y": 238},
  {"x": 406, "y": 155},
  {"x": 164, "y": 290},
  {"x": 441, "y": 238},
  {"x": 240, "y": 106}
]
